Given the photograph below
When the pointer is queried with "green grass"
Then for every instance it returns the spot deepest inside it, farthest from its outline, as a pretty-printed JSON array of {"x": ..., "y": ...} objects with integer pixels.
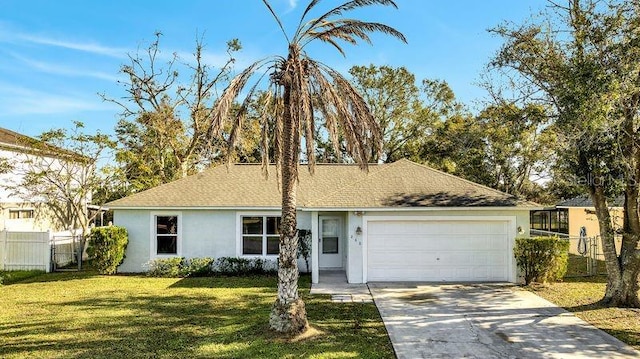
[
  {"x": 83, "y": 315},
  {"x": 577, "y": 266},
  {"x": 581, "y": 296},
  {"x": 10, "y": 277}
]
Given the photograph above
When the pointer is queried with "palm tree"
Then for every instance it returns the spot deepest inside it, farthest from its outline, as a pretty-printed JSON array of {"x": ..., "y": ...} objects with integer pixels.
[{"x": 298, "y": 89}]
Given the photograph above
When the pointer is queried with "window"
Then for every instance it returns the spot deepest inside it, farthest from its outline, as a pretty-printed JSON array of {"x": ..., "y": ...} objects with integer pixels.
[
  {"x": 556, "y": 220},
  {"x": 166, "y": 234},
  {"x": 260, "y": 235},
  {"x": 20, "y": 213},
  {"x": 540, "y": 220},
  {"x": 563, "y": 221}
]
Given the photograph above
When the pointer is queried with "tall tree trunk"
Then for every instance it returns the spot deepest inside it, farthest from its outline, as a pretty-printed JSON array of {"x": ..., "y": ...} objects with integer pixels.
[
  {"x": 627, "y": 294},
  {"x": 288, "y": 314},
  {"x": 623, "y": 270}
]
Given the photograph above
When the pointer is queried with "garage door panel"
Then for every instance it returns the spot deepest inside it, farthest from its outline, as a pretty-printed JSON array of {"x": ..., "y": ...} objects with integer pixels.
[
  {"x": 424, "y": 250},
  {"x": 391, "y": 258}
]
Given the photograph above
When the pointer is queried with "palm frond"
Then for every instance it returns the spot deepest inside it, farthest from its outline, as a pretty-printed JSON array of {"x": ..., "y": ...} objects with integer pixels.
[
  {"x": 350, "y": 5},
  {"x": 346, "y": 113},
  {"x": 265, "y": 130},
  {"x": 307, "y": 121},
  {"x": 225, "y": 101},
  {"x": 277, "y": 19},
  {"x": 239, "y": 119},
  {"x": 312, "y": 3},
  {"x": 325, "y": 104},
  {"x": 347, "y": 29}
]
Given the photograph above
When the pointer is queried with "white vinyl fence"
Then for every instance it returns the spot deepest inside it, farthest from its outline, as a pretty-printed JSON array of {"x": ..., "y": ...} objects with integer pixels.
[{"x": 25, "y": 251}]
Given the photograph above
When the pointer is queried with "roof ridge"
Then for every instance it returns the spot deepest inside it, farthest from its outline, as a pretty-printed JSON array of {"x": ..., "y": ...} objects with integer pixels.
[{"x": 384, "y": 166}]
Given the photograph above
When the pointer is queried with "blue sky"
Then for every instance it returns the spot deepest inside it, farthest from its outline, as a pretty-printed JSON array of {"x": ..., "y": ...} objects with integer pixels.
[{"x": 55, "y": 56}]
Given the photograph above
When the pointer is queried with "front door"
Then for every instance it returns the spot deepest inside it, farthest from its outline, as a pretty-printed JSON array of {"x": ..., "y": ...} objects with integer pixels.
[{"x": 330, "y": 242}]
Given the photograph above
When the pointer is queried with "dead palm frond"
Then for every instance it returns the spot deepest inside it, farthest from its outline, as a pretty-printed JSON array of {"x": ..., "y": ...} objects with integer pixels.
[{"x": 315, "y": 89}]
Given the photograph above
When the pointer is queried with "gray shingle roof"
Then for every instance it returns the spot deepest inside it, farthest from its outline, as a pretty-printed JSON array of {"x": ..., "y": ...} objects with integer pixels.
[
  {"x": 399, "y": 184},
  {"x": 17, "y": 142},
  {"x": 585, "y": 201}
]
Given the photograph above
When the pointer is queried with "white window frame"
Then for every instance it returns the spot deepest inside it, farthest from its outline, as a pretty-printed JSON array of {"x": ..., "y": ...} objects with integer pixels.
[
  {"x": 153, "y": 246},
  {"x": 239, "y": 236},
  {"x": 33, "y": 214}
]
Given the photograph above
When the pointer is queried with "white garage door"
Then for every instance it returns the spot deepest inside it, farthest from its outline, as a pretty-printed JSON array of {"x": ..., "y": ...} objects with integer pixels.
[{"x": 430, "y": 250}]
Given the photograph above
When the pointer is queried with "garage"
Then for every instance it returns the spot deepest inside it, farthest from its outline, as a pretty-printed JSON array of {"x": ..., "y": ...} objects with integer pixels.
[{"x": 439, "y": 249}]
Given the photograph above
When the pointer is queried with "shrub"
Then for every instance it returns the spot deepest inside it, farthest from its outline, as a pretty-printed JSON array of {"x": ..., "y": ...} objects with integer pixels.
[
  {"x": 243, "y": 266},
  {"x": 166, "y": 267},
  {"x": 106, "y": 248},
  {"x": 541, "y": 259},
  {"x": 177, "y": 267},
  {"x": 198, "y": 267}
]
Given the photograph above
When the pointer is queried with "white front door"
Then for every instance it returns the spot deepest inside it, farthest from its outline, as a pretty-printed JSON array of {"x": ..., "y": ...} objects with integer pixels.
[{"x": 330, "y": 242}]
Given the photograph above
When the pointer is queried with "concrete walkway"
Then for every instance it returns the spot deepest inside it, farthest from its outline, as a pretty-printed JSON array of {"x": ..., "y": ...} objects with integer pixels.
[
  {"x": 486, "y": 321},
  {"x": 335, "y": 284}
]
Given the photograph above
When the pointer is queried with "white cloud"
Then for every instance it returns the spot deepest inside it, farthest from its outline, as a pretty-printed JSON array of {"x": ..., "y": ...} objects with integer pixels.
[
  {"x": 90, "y": 47},
  {"x": 15, "y": 100},
  {"x": 9, "y": 34},
  {"x": 56, "y": 69},
  {"x": 293, "y": 4}
]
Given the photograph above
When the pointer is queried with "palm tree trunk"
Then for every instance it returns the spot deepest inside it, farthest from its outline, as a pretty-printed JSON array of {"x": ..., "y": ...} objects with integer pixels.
[{"x": 288, "y": 314}]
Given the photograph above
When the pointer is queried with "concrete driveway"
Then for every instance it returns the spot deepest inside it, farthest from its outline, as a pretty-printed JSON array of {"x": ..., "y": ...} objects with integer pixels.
[{"x": 485, "y": 321}]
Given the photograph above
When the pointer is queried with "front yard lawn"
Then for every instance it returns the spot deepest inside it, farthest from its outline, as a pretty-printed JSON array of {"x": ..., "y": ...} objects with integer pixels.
[
  {"x": 581, "y": 296},
  {"x": 83, "y": 315}
]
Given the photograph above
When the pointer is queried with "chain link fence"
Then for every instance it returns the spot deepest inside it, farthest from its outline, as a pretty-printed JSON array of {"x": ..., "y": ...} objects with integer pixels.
[{"x": 586, "y": 257}]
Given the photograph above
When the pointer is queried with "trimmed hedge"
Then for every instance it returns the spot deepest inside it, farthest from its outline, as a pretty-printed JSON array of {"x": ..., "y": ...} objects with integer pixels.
[
  {"x": 542, "y": 259},
  {"x": 179, "y": 267},
  {"x": 106, "y": 248}
]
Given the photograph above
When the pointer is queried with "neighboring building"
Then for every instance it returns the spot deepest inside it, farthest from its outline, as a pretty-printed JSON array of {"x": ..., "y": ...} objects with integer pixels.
[
  {"x": 17, "y": 213},
  {"x": 398, "y": 221},
  {"x": 569, "y": 216}
]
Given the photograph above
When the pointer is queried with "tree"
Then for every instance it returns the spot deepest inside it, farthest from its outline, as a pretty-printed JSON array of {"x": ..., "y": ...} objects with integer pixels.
[
  {"x": 582, "y": 60},
  {"x": 60, "y": 171},
  {"x": 300, "y": 87},
  {"x": 163, "y": 131},
  {"x": 394, "y": 100},
  {"x": 518, "y": 146}
]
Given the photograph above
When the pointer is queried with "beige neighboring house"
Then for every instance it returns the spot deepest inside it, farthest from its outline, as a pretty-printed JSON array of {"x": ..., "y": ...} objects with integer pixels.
[
  {"x": 570, "y": 216},
  {"x": 16, "y": 213},
  {"x": 399, "y": 221}
]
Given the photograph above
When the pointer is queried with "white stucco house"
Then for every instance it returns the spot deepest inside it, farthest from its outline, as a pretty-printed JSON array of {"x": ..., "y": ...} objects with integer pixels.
[
  {"x": 16, "y": 212},
  {"x": 397, "y": 222}
]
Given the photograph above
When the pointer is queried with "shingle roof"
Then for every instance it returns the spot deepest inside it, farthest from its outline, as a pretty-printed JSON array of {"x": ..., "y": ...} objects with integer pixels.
[
  {"x": 17, "y": 142},
  {"x": 399, "y": 184},
  {"x": 13, "y": 138},
  {"x": 585, "y": 201}
]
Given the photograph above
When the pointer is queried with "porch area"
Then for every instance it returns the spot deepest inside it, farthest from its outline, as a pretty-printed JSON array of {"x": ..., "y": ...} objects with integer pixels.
[{"x": 334, "y": 283}]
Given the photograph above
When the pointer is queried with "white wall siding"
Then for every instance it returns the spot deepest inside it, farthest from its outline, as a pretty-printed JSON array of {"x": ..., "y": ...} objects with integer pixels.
[
  {"x": 137, "y": 224},
  {"x": 208, "y": 233},
  {"x": 204, "y": 233}
]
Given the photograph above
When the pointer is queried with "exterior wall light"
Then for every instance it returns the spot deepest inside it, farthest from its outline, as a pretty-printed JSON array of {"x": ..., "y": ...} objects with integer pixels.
[{"x": 359, "y": 231}]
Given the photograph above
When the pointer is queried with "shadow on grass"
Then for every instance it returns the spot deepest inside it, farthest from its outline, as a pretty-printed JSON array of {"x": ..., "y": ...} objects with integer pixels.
[
  {"x": 227, "y": 282},
  {"x": 56, "y": 277},
  {"x": 138, "y": 317}
]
